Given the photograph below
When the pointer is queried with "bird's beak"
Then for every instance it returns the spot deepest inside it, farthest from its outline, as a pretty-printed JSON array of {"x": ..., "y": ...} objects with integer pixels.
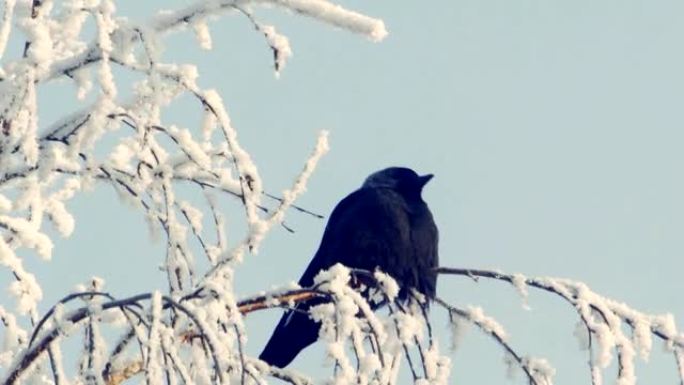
[{"x": 424, "y": 179}]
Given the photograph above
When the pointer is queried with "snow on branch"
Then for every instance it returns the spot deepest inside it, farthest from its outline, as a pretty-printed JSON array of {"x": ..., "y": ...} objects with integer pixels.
[
  {"x": 174, "y": 175},
  {"x": 195, "y": 16},
  {"x": 364, "y": 344},
  {"x": 6, "y": 27},
  {"x": 335, "y": 15},
  {"x": 156, "y": 320},
  {"x": 603, "y": 319},
  {"x": 489, "y": 325},
  {"x": 155, "y": 165}
]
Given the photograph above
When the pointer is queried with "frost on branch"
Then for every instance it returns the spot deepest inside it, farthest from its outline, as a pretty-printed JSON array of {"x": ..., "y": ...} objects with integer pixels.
[
  {"x": 193, "y": 330},
  {"x": 600, "y": 329},
  {"x": 127, "y": 144}
]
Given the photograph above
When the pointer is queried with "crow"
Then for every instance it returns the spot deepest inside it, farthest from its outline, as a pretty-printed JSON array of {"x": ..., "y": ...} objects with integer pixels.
[{"x": 385, "y": 224}]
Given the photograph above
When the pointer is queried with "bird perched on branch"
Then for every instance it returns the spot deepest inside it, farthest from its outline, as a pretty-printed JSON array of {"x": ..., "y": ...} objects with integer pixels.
[{"x": 385, "y": 224}]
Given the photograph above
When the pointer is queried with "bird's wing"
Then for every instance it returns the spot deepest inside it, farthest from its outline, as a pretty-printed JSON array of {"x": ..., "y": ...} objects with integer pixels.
[
  {"x": 425, "y": 238},
  {"x": 369, "y": 228},
  {"x": 364, "y": 230}
]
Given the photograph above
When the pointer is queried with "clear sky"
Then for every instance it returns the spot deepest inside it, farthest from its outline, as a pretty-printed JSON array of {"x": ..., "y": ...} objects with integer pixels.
[{"x": 554, "y": 128}]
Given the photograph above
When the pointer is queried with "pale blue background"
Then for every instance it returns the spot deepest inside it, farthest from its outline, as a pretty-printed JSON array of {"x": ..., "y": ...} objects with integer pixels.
[{"x": 554, "y": 128}]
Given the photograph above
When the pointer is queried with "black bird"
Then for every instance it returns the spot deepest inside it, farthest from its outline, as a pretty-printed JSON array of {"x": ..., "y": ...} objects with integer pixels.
[{"x": 385, "y": 224}]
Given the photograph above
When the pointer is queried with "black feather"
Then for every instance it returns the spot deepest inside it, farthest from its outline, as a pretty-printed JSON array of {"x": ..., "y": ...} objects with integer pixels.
[{"x": 385, "y": 224}]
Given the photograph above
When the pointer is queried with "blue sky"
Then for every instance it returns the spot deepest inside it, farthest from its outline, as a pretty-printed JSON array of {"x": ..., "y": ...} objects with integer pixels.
[{"x": 554, "y": 130}]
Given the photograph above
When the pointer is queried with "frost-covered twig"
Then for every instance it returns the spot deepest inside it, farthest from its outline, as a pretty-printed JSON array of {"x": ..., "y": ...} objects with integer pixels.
[
  {"x": 200, "y": 11},
  {"x": 37, "y": 328},
  {"x": 278, "y": 43},
  {"x": 273, "y": 299},
  {"x": 491, "y": 327},
  {"x": 149, "y": 164},
  {"x": 288, "y": 376},
  {"x": 8, "y": 14},
  {"x": 29, "y": 356},
  {"x": 247, "y": 305},
  {"x": 404, "y": 345},
  {"x": 604, "y": 319},
  {"x": 334, "y": 14}
]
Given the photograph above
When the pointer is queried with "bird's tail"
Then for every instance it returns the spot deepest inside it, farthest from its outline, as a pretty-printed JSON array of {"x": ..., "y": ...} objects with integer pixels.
[{"x": 294, "y": 332}]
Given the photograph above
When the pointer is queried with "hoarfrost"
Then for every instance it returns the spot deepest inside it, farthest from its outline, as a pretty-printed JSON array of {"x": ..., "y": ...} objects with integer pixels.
[
  {"x": 458, "y": 326},
  {"x": 519, "y": 281},
  {"x": 40, "y": 172},
  {"x": 541, "y": 370},
  {"x": 477, "y": 316},
  {"x": 582, "y": 335},
  {"x": 280, "y": 45},
  {"x": 203, "y": 35},
  {"x": 334, "y": 14},
  {"x": 5, "y": 204},
  {"x": 387, "y": 284},
  {"x": 6, "y": 25}
]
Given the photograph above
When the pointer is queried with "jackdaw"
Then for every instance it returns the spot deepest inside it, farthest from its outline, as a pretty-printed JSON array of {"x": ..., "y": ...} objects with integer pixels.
[{"x": 386, "y": 225}]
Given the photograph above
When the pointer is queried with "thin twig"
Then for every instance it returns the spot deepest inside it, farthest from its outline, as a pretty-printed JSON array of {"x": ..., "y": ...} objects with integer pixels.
[{"x": 499, "y": 339}]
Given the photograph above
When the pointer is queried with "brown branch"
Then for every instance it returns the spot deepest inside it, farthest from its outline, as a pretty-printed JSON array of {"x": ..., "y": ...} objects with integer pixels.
[
  {"x": 127, "y": 372},
  {"x": 260, "y": 304}
]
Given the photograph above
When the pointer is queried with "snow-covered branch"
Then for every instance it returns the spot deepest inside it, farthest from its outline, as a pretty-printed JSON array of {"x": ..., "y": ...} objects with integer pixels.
[
  {"x": 150, "y": 162},
  {"x": 176, "y": 178},
  {"x": 603, "y": 318}
]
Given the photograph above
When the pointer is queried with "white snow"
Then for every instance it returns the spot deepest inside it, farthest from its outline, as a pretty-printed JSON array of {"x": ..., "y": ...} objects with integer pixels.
[
  {"x": 335, "y": 15},
  {"x": 6, "y": 25},
  {"x": 280, "y": 44},
  {"x": 458, "y": 326},
  {"x": 388, "y": 285},
  {"x": 519, "y": 281},
  {"x": 477, "y": 316},
  {"x": 203, "y": 35},
  {"x": 149, "y": 158},
  {"x": 541, "y": 370}
]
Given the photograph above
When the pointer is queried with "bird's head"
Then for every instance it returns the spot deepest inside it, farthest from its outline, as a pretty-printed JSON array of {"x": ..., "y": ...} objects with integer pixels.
[{"x": 401, "y": 179}]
